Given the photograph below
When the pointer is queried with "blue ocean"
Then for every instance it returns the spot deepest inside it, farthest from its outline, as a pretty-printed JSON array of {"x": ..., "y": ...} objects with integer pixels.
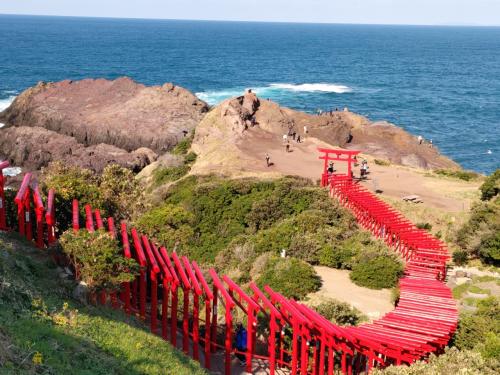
[{"x": 439, "y": 82}]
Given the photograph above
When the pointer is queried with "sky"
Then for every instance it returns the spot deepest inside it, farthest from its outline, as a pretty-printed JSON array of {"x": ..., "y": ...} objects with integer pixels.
[{"x": 413, "y": 12}]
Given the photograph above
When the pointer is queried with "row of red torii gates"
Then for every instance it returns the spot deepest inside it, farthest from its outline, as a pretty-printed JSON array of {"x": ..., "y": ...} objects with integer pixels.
[{"x": 194, "y": 309}]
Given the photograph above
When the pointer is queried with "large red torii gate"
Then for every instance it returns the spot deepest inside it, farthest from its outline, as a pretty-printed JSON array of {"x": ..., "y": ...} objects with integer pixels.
[{"x": 336, "y": 155}]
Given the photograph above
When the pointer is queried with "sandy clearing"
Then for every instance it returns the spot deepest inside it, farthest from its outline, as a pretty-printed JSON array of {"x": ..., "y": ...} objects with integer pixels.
[{"x": 338, "y": 285}]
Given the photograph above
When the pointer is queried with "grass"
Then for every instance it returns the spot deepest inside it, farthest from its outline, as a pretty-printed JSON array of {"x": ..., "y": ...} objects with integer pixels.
[
  {"x": 382, "y": 162},
  {"x": 457, "y": 173},
  {"x": 477, "y": 290},
  {"x": 51, "y": 334},
  {"x": 460, "y": 290}
]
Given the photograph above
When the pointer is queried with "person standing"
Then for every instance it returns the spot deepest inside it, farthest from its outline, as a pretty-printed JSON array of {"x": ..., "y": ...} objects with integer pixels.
[
  {"x": 305, "y": 129},
  {"x": 268, "y": 160},
  {"x": 420, "y": 139},
  {"x": 288, "y": 147},
  {"x": 241, "y": 343}
]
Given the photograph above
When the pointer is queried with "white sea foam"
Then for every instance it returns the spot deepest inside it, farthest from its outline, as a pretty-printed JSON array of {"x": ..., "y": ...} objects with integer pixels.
[
  {"x": 313, "y": 87},
  {"x": 273, "y": 91},
  {"x": 5, "y": 103}
]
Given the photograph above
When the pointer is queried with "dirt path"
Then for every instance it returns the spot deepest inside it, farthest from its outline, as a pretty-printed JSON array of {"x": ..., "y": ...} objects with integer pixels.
[
  {"x": 338, "y": 285},
  {"x": 394, "y": 181}
]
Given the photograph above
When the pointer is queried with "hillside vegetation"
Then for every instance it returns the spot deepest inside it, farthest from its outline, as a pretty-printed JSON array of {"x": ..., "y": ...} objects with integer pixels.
[
  {"x": 44, "y": 331},
  {"x": 242, "y": 226}
]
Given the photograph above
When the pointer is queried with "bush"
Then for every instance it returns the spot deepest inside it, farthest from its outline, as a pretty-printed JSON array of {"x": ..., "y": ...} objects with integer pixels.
[
  {"x": 382, "y": 162},
  {"x": 460, "y": 257},
  {"x": 452, "y": 362},
  {"x": 169, "y": 174},
  {"x": 457, "y": 173},
  {"x": 115, "y": 193},
  {"x": 339, "y": 313},
  {"x": 170, "y": 225},
  {"x": 426, "y": 226},
  {"x": 377, "y": 271},
  {"x": 289, "y": 276},
  {"x": 491, "y": 186},
  {"x": 489, "y": 249},
  {"x": 184, "y": 145},
  {"x": 481, "y": 329},
  {"x": 98, "y": 259}
]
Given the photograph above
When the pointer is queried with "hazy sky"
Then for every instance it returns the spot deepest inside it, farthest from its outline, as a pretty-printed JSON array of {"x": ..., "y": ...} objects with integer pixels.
[{"x": 435, "y": 12}]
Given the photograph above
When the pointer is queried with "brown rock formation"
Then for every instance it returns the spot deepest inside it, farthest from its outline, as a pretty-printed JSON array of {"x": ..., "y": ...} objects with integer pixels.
[
  {"x": 225, "y": 135},
  {"x": 35, "y": 147},
  {"x": 93, "y": 119}
]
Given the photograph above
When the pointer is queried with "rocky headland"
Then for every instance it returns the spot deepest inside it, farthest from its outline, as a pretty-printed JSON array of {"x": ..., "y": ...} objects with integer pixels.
[{"x": 94, "y": 122}]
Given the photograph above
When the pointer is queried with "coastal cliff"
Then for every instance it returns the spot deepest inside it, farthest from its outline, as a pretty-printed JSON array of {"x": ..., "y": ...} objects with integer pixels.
[{"x": 93, "y": 122}]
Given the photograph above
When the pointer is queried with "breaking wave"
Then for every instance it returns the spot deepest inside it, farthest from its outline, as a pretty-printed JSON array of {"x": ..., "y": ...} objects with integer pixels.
[
  {"x": 313, "y": 87},
  {"x": 5, "y": 103},
  {"x": 274, "y": 91}
]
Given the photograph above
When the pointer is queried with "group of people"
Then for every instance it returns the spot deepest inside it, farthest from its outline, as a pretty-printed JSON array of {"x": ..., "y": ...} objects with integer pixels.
[
  {"x": 286, "y": 141},
  {"x": 363, "y": 170},
  {"x": 421, "y": 140}
]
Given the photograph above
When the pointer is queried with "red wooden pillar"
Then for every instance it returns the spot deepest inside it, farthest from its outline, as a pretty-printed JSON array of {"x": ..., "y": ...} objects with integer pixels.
[
  {"x": 39, "y": 211},
  {"x": 229, "y": 320},
  {"x": 196, "y": 306},
  {"x": 186, "y": 288},
  {"x": 154, "y": 270},
  {"x": 98, "y": 219},
  {"x": 208, "y": 297},
  {"x": 76, "y": 216},
  {"x": 89, "y": 221},
  {"x": 175, "y": 296},
  {"x": 213, "y": 327},
  {"x": 50, "y": 218},
  {"x": 127, "y": 253},
  {"x": 28, "y": 226},
  {"x": 141, "y": 258}
]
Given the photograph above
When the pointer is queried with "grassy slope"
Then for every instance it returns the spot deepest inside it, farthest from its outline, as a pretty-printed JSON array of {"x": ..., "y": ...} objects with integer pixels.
[{"x": 72, "y": 338}]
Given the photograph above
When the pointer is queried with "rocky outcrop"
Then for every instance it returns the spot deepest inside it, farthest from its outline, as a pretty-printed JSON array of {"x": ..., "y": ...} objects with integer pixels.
[
  {"x": 35, "y": 147},
  {"x": 238, "y": 122},
  {"x": 97, "y": 119}
]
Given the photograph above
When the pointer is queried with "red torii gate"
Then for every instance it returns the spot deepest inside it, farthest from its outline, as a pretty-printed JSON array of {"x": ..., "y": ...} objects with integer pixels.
[{"x": 336, "y": 155}]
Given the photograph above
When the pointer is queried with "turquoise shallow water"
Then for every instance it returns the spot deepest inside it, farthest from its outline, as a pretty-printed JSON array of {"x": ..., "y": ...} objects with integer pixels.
[{"x": 440, "y": 82}]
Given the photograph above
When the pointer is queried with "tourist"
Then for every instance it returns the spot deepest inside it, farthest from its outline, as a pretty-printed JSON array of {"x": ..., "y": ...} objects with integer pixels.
[
  {"x": 285, "y": 138},
  {"x": 288, "y": 147},
  {"x": 294, "y": 134},
  {"x": 241, "y": 343},
  {"x": 268, "y": 160},
  {"x": 430, "y": 143},
  {"x": 420, "y": 139},
  {"x": 305, "y": 129},
  {"x": 298, "y": 138},
  {"x": 330, "y": 169}
]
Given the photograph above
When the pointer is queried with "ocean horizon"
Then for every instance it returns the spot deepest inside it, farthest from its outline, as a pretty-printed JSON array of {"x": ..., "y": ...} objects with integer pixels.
[{"x": 440, "y": 82}]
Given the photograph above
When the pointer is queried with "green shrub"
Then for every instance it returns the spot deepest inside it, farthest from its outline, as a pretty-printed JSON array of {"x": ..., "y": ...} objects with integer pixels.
[
  {"x": 479, "y": 235},
  {"x": 168, "y": 174},
  {"x": 382, "y": 162},
  {"x": 170, "y": 225},
  {"x": 377, "y": 271},
  {"x": 183, "y": 146},
  {"x": 491, "y": 186},
  {"x": 339, "y": 313},
  {"x": 289, "y": 276},
  {"x": 460, "y": 257},
  {"x": 115, "y": 192},
  {"x": 475, "y": 330},
  {"x": 190, "y": 158},
  {"x": 426, "y": 226},
  {"x": 452, "y": 362},
  {"x": 489, "y": 249},
  {"x": 98, "y": 259},
  {"x": 457, "y": 173}
]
